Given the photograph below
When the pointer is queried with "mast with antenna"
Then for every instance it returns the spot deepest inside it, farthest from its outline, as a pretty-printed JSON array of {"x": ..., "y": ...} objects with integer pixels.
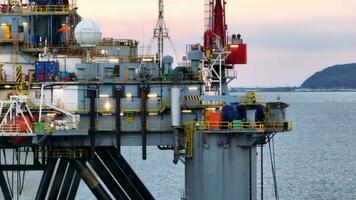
[{"x": 161, "y": 33}]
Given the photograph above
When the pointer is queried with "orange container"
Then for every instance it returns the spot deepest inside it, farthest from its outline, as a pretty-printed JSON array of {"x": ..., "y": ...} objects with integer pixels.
[
  {"x": 207, "y": 115},
  {"x": 215, "y": 120}
]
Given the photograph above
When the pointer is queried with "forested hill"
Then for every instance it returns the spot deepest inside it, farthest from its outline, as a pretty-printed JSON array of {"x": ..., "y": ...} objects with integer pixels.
[{"x": 338, "y": 76}]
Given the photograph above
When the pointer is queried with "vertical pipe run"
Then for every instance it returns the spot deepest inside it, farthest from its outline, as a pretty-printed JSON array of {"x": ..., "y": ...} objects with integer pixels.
[
  {"x": 118, "y": 95},
  {"x": 41, "y": 103},
  {"x": 92, "y": 96},
  {"x": 144, "y": 121},
  {"x": 176, "y": 113}
]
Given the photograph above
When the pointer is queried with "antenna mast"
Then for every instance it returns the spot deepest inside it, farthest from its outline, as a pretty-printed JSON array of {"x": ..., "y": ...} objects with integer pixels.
[{"x": 160, "y": 32}]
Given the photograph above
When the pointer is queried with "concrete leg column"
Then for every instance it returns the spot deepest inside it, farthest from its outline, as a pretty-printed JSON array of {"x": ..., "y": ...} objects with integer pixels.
[{"x": 223, "y": 166}]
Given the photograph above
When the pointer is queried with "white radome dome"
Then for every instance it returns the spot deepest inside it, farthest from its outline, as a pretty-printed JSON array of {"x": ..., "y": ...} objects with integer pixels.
[{"x": 87, "y": 33}]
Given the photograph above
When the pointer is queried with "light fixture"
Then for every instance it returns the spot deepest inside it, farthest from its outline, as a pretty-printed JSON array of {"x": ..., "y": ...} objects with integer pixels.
[
  {"x": 3, "y": 24},
  {"x": 24, "y": 23},
  {"x": 152, "y": 95},
  {"x": 104, "y": 96},
  {"x": 129, "y": 95},
  {"x": 153, "y": 114},
  {"x": 122, "y": 114},
  {"x": 187, "y": 111},
  {"x": 147, "y": 60},
  {"x": 234, "y": 46},
  {"x": 193, "y": 88},
  {"x": 7, "y": 86},
  {"x": 107, "y": 106}
]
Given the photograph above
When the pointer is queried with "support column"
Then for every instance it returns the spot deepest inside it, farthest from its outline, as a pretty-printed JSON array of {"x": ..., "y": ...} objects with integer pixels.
[
  {"x": 4, "y": 187},
  {"x": 223, "y": 166},
  {"x": 144, "y": 121},
  {"x": 108, "y": 179},
  {"x": 91, "y": 93},
  {"x": 118, "y": 95},
  {"x": 91, "y": 181},
  {"x": 74, "y": 186},
  {"x": 124, "y": 175},
  {"x": 46, "y": 179},
  {"x": 57, "y": 182},
  {"x": 66, "y": 186}
]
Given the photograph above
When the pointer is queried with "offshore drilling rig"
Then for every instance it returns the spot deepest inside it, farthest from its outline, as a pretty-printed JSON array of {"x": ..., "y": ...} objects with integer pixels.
[{"x": 71, "y": 99}]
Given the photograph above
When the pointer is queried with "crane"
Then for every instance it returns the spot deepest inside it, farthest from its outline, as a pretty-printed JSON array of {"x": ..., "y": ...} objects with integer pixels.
[{"x": 222, "y": 53}]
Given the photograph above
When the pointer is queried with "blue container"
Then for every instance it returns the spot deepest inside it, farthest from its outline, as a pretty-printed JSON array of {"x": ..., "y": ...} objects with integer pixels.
[
  {"x": 40, "y": 77},
  {"x": 51, "y": 68},
  {"x": 229, "y": 113},
  {"x": 39, "y": 67},
  {"x": 64, "y": 74}
]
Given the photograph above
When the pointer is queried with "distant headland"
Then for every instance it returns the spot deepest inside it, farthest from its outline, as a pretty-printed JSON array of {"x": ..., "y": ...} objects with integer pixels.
[{"x": 337, "y": 78}]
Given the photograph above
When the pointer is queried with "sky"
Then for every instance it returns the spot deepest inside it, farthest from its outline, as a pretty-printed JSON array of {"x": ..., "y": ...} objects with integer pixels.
[{"x": 288, "y": 40}]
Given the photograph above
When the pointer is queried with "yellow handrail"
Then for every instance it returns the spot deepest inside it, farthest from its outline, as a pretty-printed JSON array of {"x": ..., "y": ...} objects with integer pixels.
[
  {"x": 49, "y": 9},
  {"x": 251, "y": 126}
]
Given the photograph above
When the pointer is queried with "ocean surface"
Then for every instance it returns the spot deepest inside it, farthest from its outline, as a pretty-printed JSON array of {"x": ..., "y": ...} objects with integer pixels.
[{"x": 317, "y": 161}]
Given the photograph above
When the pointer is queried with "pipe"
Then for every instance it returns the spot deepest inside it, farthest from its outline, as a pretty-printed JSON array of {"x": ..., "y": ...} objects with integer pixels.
[
  {"x": 176, "y": 110},
  {"x": 92, "y": 116},
  {"x": 41, "y": 103},
  {"x": 144, "y": 121},
  {"x": 118, "y": 95},
  {"x": 176, "y": 145}
]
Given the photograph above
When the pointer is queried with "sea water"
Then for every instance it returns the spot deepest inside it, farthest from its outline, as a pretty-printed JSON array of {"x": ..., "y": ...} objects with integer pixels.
[{"x": 317, "y": 161}]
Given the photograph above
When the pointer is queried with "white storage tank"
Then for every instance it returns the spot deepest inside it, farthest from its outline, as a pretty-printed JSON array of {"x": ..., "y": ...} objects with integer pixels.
[
  {"x": 176, "y": 107},
  {"x": 88, "y": 33}
]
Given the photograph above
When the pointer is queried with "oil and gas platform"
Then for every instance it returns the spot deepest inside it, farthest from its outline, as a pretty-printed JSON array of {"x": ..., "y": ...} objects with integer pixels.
[{"x": 71, "y": 99}]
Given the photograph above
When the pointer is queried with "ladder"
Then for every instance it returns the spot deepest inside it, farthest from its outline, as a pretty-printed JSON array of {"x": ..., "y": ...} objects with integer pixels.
[
  {"x": 208, "y": 14},
  {"x": 188, "y": 132}
]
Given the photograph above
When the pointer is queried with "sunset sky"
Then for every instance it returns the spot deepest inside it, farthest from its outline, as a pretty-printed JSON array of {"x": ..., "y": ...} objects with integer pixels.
[{"x": 288, "y": 40}]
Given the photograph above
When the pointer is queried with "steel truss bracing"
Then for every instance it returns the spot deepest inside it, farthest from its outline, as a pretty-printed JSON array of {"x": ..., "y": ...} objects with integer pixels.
[{"x": 107, "y": 174}]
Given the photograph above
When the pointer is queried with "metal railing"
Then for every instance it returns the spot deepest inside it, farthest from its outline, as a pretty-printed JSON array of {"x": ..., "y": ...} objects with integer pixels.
[
  {"x": 248, "y": 101},
  {"x": 37, "y": 9},
  {"x": 278, "y": 126},
  {"x": 9, "y": 128},
  {"x": 66, "y": 153}
]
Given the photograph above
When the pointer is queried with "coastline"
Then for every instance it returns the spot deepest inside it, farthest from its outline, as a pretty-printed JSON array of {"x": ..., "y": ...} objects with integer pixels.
[{"x": 290, "y": 89}]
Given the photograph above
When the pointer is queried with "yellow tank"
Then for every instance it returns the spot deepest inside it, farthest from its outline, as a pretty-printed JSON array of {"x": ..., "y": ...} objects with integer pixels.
[{"x": 6, "y": 32}]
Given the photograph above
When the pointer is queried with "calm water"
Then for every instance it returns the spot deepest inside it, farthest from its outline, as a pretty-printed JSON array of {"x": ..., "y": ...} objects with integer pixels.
[{"x": 317, "y": 161}]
